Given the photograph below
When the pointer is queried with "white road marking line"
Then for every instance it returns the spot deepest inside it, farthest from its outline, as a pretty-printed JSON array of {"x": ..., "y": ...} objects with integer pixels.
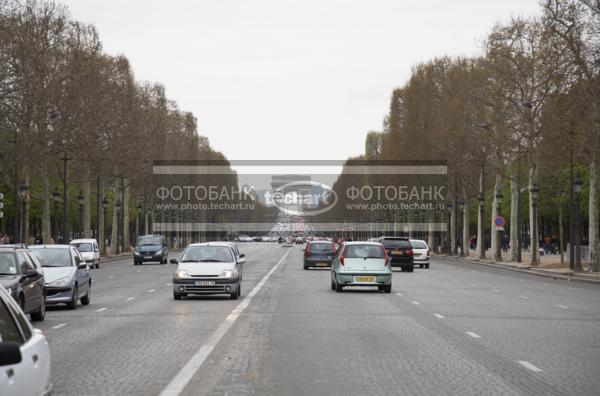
[
  {"x": 474, "y": 335},
  {"x": 530, "y": 366},
  {"x": 167, "y": 284},
  {"x": 101, "y": 309},
  {"x": 58, "y": 326},
  {"x": 496, "y": 290},
  {"x": 129, "y": 298},
  {"x": 176, "y": 386},
  {"x": 562, "y": 306},
  {"x": 139, "y": 271},
  {"x": 545, "y": 284},
  {"x": 524, "y": 297},
  {"x": 151, "y": 291},
  {"x": 455, "y": 280},
  {"x": 111, "y": 277},
  {"x": 93, "y": 280},
  {"x": 521, "y": 280},
  {"x": 473, "y": 284},
  {"x": 399, "y": 294},
  {"x": 416, "y": 302},
  {"x": 439, "y": 316}
]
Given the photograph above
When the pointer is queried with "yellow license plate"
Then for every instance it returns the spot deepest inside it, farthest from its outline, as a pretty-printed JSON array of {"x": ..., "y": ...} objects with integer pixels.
[
  {"x": 397, "y": 252},
  {"x": 364, "y": 279},
  {"x": 322, "y": 265}
]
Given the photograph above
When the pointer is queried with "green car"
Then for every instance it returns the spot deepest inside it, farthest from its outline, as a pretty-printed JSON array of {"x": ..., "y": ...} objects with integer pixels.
[{"x": 361, "y": 264}]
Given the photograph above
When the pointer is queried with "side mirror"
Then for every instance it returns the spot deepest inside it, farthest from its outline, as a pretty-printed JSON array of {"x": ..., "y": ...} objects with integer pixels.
[
  {"x": 242, "y": 260},
  {"x": 82, "y": 266},
  {"x": 242, "y": 255},
  {"x": 173, "y": 261},
  {"x": 10, "y": 353},
  {"x": 31, "y": 274}
]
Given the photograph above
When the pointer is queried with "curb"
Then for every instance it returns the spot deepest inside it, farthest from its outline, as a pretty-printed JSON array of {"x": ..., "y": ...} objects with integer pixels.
[{"x": 522, "y": 270}]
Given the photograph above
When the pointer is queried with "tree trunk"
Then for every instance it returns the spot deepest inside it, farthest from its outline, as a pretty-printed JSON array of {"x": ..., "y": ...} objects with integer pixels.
[
  {"x": 126, "y": 239},
  {"x": 481, "y": 220},
  {"x": 494, "y": 212},
  {"x": 594, "y": 239},
  {"x": 87, "y": 209},
  {"x": 46, "y": 226},
  {"x": 561, "y": 234},
  {"x": 465, "y": 225},
  {"x": 431, "y": 229},
  {"x": 533, "y": 229},
  {"x": 514, "y": 215},
  {"x": 114, "y": 243}
]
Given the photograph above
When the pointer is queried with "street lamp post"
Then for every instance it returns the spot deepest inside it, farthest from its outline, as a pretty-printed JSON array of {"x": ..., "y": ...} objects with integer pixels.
[
  {"x": 498, "y": 255},
  {"x": 449, "y": 238},
  {"x": 481, "y": 231},
  {"x": 23, "y": 191},
  {"x": 577, "y": 188},
  {"x": 55, "y": 200},
  {"x": 118, "y": 210},
  {"x": 80, "y": 201},
  {"x": 461, "y": 205},
  {"x": 535, "y": 192},
  {"x": 103, "y": 234},
  {"x": 137, "y": 219}
]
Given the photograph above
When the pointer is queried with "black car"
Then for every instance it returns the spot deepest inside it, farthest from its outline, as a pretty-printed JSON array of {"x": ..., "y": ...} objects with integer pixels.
[
  {"x": 399, "y": 251},
  {"x": 22, "y": 276},
  {"x": 151, "y": 248},
  {"x": 318, "y": 254}
]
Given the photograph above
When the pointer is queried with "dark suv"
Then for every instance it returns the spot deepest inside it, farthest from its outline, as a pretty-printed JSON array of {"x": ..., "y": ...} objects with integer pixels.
[
  {"x": 151, "y": 248},
  {"x": 399, "y": 251},
  {"x": 22, "y": 276}
]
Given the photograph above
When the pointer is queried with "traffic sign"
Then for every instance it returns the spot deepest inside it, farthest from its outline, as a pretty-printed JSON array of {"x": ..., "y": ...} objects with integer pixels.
[{"x": 499, "y": 221}]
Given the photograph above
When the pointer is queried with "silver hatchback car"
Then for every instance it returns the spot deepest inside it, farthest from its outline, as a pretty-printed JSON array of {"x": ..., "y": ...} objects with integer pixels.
[{"x": 361, "y": 264}]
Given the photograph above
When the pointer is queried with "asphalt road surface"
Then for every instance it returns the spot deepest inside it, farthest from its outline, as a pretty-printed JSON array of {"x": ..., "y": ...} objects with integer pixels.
[{"x": 456, "y": 328}]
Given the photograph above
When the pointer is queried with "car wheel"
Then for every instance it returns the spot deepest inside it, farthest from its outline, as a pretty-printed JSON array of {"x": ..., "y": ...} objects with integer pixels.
[
  {"x": 85, "y": 300},
  {"x": 73, "y": 303},
  {"x": 306, "y": 267},
  {"x": 135, "y": 262},
  {"x": 410, "y": 269},
  {"x": 41, "y": 314},
  {"x": 426, "y": 265},
  {"x": 176, "y": 296},
  {"x": 239, "y": 290},
  {"x": 22, "y": 302},
  {"x": 420, "y": 265},
  {"x": 97, "y": 264},
  {"x": 387, "y": 288},
  {"x": 338, "y": 287},
  {"x": 234, "y": 295},
  {"x": 332, "y": 284}
]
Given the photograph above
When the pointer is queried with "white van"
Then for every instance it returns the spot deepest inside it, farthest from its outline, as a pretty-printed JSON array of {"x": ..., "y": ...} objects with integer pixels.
[{"x": 89, "y": 250}]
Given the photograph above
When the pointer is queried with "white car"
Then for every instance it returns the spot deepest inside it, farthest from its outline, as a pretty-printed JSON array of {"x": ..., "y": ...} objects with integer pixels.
[
  {"x": 421, "y": 252},
  {"x": 24, "y": 353},
  {"x": 208, "y": 268},
  {"x": 89, "y": 250}
]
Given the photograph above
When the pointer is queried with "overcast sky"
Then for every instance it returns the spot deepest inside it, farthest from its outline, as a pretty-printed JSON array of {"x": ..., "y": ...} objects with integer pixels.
[{"x": 282, "y": 79}]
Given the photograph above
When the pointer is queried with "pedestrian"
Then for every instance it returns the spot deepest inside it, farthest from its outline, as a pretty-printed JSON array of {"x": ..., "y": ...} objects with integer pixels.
[
  {"x": 473, "y": 242},
  {"x": 505, "y": 243}
]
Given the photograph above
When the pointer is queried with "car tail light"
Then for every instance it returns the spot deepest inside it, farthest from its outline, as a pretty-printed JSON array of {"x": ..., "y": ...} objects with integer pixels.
[
  {"x": 385, "y": 256},
  {"x": 342, "y": 259},
  {"x": 333, "y": 248},
  {"x": 307, "y": 252},
  {"x": 409, "y": 252}
]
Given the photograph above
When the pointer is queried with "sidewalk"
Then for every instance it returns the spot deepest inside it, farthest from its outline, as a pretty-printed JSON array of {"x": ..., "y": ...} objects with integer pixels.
[{"x": 550, "y": 266}]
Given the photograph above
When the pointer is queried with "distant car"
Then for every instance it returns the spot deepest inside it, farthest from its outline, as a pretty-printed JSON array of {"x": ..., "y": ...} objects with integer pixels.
[
  {"x": 89, "y": 250},
  {"x": 421, "y": 252},
  {"x": 299, "y": 240},
  {"x": 361, "y": 264},
  {"x": 399, "y": 251},
  {"x": 24, "y": 352},
  {"x": 244, "y": 238},
  {"x": 207, "y": 268},
  {"x": 318, "y": 254},
  {"x": 257, "y": 239},
  {"x": 22, "y": 276},
  {"x": 67, "y": 275},
  {"x": 240, "y": 257},
  {"x": 151, "y": 248}
]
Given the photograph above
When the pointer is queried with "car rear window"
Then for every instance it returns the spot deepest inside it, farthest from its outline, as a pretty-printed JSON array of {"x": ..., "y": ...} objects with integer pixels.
[
  {"x": 396, "y": 243},
  {"x": 364, "y": 251},
  {"x": 321, "y": 247},
  {"x": 418, "y": 244},
  {"x": 83, "y": 247}
]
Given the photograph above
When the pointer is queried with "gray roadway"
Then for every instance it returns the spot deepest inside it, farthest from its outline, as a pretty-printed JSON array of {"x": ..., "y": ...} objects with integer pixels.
[{"x": 456, "y": 328}]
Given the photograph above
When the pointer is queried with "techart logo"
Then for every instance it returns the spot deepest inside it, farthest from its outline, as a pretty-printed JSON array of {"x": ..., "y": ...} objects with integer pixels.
[{"x": 302, "y": 198}]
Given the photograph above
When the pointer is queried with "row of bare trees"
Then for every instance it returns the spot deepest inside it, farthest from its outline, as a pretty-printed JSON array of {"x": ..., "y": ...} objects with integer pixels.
[
  {"x": 72, "y": 115},
  {"x": 525, "y": 116}
]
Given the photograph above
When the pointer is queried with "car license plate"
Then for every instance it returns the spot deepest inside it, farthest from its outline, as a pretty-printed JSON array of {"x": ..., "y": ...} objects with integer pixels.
[
  {"x": 364, "y": 279},
  {"x": 397, "y": 252},
  {"x": 417, "y": 254},
  {"x": 322, "y": 265},
  {"x": 204, "y": 283},
  {"x": 147, "y": 257}
]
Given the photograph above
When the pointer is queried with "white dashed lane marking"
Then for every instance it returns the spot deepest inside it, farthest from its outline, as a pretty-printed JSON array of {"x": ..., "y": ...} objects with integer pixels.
[
  {"x": 524, "y": 297},
  {"x": 416, "y": 302},
  {"x": 58, "y": 326},
  {"x": 496, "y": 290},
  {"x": 530, "y": 366},
  {"x": 439, "y": 316},
  {"x": 130, "y": 298},
  {"x": 399, "y": 294},
  {"x": 473, "y": 334},
  {"x": 101, "y": 309},
  {"x": 151, "y": 291},
  {"x": 562, "y": 306}
]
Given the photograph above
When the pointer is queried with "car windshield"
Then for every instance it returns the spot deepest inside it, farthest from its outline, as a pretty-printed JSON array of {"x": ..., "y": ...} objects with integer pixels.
[
  {"x": 418, "y": 244},
  {"x": 321, "y": 247},
  {"x": 149, "y": 241},
  {"x": 363, "y": 251},
  {"x": 207, "y": 254},
  {"x": 53, "y": 257},
  {"x": 396, "y": 243},
  {"x": 8, "y": 266},
  {"x": 83, "y": 247}
]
